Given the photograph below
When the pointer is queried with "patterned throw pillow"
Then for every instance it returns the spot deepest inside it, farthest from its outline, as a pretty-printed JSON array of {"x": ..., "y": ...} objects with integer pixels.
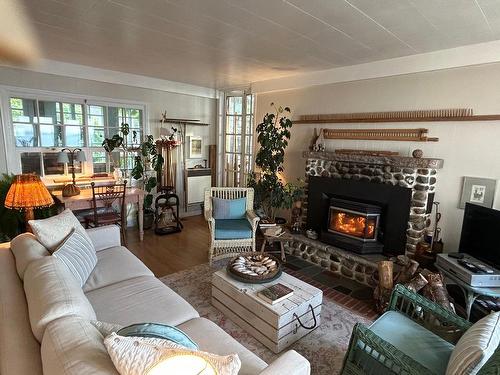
[
  {"x": 77, "y": 252},
  {"x": 52, "y": 232},
  {"x": 475, "y": 347},
  {"x": 229, "y": 209},
  {"x": 146, "y": 355}
]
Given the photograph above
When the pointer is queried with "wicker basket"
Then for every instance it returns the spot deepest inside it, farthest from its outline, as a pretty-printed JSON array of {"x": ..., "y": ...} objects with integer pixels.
[{"x": 251, "y": 279}]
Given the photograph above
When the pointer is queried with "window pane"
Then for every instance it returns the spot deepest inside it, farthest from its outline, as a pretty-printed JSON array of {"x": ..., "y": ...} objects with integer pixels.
[
  {"x": 25, "y": 135},
  {"x": 96, "y": 110},
  {"x": 50, "y": 164},
  {"x": 99, "y": 161},
  {"x": 78, "y": 167},
  {"x": 74, "y": 136},
  {"x": 237, "y": 147},
  {"x": 23, "y": 110},
  {"x": 229, "y": 143},
  {"x": 135, "y": 120},
  {"x": 50, "y": 136},
  {"x": 113, "y": 118},
  {"x": 249, "y": 104},
  {"x": 72, "y": 114},
  {"x": 133, "y": 140},
  {"x": 30, "y": 163},
  {"x": 96, "y": 136},
  {"x": 50, "y": 112},
  {"x": 230, "y": 125},
  {"x": 238, "y": 124},
  {"x": 248, "y": 144},
  {"x": 249, "y": 124}
]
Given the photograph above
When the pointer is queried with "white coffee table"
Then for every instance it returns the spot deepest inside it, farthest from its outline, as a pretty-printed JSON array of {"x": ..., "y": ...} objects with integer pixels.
[{"x": 276, "y": 326}]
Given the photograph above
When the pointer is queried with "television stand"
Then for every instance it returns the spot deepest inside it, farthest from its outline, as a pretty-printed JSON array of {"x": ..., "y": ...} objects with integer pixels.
[{"x": 470, "y": 292}]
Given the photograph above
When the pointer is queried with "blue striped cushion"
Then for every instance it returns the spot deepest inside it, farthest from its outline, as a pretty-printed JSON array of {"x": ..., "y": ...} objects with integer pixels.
[
  {"x": 229, "y": 209},
  {"x": 77, "y": 252}
]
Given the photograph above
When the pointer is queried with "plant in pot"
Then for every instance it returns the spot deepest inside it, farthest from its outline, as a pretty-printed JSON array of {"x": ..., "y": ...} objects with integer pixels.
[
  {"x": 271, "y": 192},
  {"x": 147, "y": 165}
]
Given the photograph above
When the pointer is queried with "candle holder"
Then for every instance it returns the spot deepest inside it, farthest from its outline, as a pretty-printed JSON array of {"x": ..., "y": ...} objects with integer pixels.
[{"x": 66, "y": 156}]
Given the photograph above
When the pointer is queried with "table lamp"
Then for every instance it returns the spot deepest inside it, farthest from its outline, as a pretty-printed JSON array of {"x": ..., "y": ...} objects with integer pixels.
[
  {"x": 69, "y": 156},
  {"x": 26, "y": 193}
]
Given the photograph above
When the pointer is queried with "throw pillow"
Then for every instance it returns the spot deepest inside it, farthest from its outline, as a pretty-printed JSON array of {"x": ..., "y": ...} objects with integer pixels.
[
  {"x": 475, "y": 347},
  {"x": 146, "y": 355},
  {"x": 51, "y": 232},
  {"x": 229, "y": 209},
  {"x": 78, "y": 254}
]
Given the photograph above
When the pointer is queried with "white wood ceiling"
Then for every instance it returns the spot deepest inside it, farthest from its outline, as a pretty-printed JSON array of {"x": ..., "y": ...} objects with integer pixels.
[{"x": 229, "y": 43}]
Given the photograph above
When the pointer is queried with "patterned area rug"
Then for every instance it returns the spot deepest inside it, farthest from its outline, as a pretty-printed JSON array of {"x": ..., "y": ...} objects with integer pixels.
[{"x": 324, "y": 347}]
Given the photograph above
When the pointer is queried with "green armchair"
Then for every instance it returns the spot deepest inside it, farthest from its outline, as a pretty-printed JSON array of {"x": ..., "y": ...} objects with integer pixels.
[{"x": 414, "y": 336}]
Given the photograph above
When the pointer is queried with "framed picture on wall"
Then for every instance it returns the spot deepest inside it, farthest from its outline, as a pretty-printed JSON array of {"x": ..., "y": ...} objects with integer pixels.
[
  {"x": 195, "y": 147},
  {"x": 480, "y": 191}
]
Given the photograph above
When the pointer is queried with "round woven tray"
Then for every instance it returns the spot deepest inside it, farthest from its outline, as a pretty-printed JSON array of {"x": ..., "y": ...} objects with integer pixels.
[{"x": 251, "y": 279}]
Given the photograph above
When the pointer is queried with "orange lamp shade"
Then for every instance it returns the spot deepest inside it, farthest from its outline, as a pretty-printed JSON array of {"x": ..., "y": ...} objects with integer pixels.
[{"x": 28, "y": 192}]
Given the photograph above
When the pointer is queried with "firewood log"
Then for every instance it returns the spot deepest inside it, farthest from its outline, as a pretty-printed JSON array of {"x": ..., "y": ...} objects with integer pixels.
[
  {"x": 436, "y": 291},
  {"x": 406, "y": 274},
  {"x": 383, "y": 291},
  {"x": 417, "y": 283}
]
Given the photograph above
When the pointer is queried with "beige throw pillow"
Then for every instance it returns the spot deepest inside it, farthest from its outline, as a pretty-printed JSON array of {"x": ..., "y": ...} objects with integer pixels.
[
  {"x": 146, "y": 355},
  {"x": 53, "y": 231}
]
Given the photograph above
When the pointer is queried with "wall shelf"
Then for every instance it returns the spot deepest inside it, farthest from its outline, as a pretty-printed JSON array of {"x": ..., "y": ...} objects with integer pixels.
[{"x": 416, "y": 119}]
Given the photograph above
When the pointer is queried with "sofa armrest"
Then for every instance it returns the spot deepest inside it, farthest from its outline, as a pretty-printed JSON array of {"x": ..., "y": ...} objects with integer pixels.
[
  {"x": 105, "y": 237},
  {"x": 289, "y": 363}
]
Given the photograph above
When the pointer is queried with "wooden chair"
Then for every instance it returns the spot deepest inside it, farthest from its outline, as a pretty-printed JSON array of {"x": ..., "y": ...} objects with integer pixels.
[
  {"x": 105, "y": 196},
  {"x": 226, "y": 246}
]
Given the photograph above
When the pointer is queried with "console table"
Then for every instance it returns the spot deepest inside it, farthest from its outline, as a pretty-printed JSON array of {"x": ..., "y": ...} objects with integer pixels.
[
  {"x": 470, "y": 292},
  {"x": 83, "y": 201}
]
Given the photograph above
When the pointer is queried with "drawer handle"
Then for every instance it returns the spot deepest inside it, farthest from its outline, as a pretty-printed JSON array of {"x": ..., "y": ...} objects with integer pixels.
[{"x": 302, "y": 325}]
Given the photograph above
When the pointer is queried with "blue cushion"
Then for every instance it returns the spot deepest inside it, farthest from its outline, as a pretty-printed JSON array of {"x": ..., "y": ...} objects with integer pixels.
[
  {"x": 228, "y": 209},
  {"x": 425, "y": 347},
  {"x": 161, "y": 331},
  {"x": 232, "y": 229}
]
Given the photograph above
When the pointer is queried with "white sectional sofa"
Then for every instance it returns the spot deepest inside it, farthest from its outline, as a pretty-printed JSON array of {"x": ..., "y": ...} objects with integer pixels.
[{"x": 45, "y": 316}]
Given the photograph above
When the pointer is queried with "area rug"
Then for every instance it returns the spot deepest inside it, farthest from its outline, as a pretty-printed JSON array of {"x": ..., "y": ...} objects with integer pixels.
[{"x": 324, "y": 347}]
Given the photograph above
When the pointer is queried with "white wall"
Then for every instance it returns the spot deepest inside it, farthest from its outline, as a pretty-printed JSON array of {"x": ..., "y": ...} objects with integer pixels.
[
  {"x": 176, "y": 105},
  {"x": 468, "y": 148}
]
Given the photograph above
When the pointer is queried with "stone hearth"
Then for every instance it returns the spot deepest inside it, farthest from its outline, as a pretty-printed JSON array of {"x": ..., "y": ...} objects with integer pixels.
[{"x": 418, "y": 174}]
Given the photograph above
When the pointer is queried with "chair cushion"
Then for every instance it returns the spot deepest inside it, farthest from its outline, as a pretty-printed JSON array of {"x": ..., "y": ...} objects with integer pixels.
[
  {"x": 475, "y": 346},
  {"x": 229, "y": 209},
  {"x": 115, "y": 264},
  {"x": 232, "y": 229},
  {"x": 73, "y": 346},
  {"x": 213, "y": 339},
  {"x": 52, "y": 232},
  {"x": 52, "y": 292},
  {"x": 430, "y": 350},
  {"x": 78, "y": 254},
  {"x": 26, "y": 248},
  {"x": 139, "y": 300}
]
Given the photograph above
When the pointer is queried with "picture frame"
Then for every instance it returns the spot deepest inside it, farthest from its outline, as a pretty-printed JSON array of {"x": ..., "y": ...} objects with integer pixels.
[
  {"x": 195, "y": 147},
  {"x": 478, "y": 190}
]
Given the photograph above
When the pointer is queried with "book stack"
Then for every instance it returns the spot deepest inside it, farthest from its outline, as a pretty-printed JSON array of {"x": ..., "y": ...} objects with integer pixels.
[{"x": 275, "y": 293}]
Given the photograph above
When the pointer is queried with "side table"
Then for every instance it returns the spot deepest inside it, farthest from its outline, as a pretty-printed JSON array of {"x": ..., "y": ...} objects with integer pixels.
[
  {"x": 269, "y": 239},
  {"x": 470, "y": 292}
]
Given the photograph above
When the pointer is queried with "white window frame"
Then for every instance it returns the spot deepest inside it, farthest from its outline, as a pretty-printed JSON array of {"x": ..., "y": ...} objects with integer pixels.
[{"x": 13, "y": 153}]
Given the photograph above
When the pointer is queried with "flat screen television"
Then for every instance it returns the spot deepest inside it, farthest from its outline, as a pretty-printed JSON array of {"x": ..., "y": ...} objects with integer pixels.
[{"x": 481, "y": 234}]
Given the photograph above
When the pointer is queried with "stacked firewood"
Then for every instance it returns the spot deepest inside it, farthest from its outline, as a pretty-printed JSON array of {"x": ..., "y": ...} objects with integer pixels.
[{"x": 422, "y": 281}]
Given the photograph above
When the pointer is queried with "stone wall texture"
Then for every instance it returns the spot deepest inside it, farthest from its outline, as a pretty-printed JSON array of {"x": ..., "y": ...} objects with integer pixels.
[{"x": 421, "y": 180}]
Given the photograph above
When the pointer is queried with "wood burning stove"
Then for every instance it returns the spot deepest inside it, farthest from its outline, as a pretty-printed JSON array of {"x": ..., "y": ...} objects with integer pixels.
[{"x": 354, "y": 225}]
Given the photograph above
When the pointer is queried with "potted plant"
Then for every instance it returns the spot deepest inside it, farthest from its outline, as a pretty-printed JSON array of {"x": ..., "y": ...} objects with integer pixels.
[
  {"x": 271, "y": 193},
  {"x": 147, "y": 165},
  {"x": 11, "y": 221}
]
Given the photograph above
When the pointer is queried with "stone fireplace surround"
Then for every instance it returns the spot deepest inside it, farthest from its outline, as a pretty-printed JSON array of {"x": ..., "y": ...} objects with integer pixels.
[{"x": 417, "y": 174}]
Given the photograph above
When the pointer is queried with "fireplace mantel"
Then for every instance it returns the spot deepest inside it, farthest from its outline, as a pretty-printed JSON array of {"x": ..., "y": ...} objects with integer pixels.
[{"x": 393, "y": 161}]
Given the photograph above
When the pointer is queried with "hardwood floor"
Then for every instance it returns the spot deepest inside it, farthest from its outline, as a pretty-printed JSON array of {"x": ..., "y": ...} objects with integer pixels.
[{"x": 174, "y": 252}]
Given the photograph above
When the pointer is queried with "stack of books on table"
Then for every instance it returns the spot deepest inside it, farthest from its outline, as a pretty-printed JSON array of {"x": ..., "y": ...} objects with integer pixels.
[
  {"x": 266, "y": 223},
  {"x": 275, "y": 293}
]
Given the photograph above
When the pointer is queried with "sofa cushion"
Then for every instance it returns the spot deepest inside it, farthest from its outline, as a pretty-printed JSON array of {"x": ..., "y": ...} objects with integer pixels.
[
  {"x": 78, "y": 254},
  {"x": 52, "y": 292},
  {"x": 51, "y": 232},
  {"x": 138, "y": 300},
  {"x": 475, "y": 346},
  {"x": 213, "y": 339},
  {"x": 26, "y": 248},
  {"x": 114, "y": 265},
  {"x": 148, "y": 355},
  {"x": 430, "y": 350},
  {"x": 229, "y": 209},
  {"x": 73, "y": 346},
  {"x": 232, "y": 229},
  {"x": 19, "y": 350}
]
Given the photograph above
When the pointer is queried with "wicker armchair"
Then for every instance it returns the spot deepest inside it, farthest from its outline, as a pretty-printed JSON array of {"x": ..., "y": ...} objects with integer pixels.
[
  {"x": 229, "y": 247},
  {"x": 370, "y": 353}
]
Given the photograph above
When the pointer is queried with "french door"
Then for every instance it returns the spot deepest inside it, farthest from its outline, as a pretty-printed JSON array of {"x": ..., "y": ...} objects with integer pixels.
[{"x": 238, "y": 139}]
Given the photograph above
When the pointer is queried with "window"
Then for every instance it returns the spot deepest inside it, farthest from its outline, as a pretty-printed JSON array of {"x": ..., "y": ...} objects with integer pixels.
[
  {"x": 238, "y": 150},
  {"x": 42, "y": 127}
]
